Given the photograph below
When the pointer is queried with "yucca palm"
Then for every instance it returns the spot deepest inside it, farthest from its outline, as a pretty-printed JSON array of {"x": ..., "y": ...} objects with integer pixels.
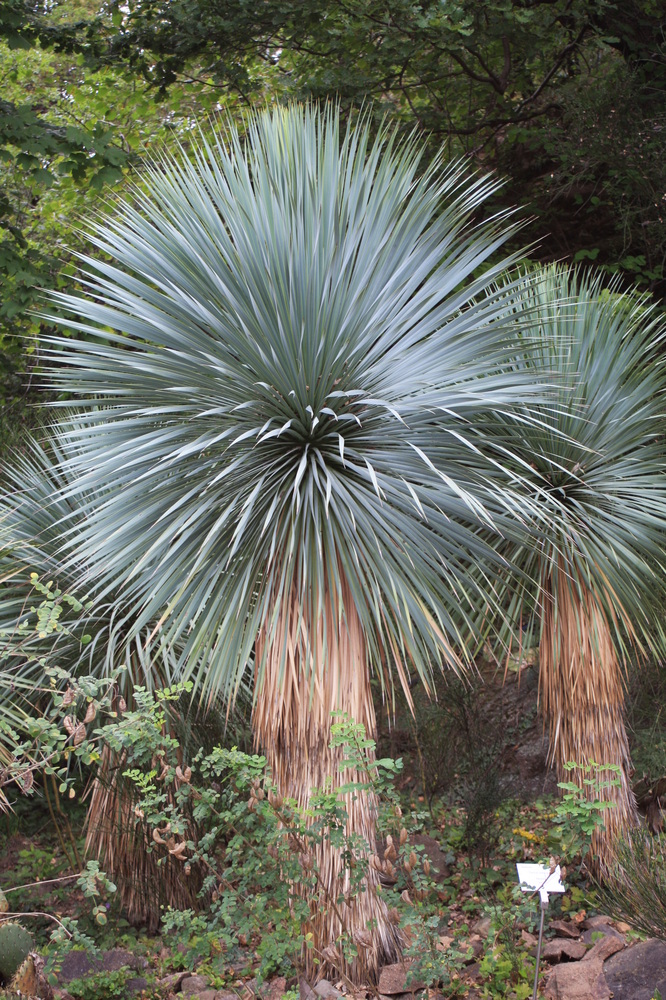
[
  {"x": 287, "y": 346},
  {"x": 594, "y": 465}
]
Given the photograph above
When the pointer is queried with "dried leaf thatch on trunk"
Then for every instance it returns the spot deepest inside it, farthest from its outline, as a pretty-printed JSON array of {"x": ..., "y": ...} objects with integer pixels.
[
  {"x": 117, "y": 836},
  {"x": 308, "y": 670},
  {"x": 582, "y": 689}
]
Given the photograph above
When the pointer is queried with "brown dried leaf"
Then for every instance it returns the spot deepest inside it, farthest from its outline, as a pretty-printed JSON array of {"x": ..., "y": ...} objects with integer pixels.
[
  {"x": 90, "y": 713},
  {"x": 68, "y": 697}
]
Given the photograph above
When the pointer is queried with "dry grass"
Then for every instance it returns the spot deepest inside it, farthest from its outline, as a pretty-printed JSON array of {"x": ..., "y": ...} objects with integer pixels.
[
  {"x": 309, "y": 670},
  {"x": 582, "y": 687}
]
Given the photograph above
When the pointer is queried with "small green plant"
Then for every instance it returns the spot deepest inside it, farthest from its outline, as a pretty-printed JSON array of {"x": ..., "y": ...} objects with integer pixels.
[
  {"x": 102, "y": 986},
  {"x": 580, "y": 812}
]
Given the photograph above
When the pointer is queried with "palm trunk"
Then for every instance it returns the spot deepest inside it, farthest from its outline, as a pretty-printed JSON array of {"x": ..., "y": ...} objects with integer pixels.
[
  {"x": 292, "y": 722},
  {"x": 582, "y": 689},
  {"x": 119, "y": 839}
]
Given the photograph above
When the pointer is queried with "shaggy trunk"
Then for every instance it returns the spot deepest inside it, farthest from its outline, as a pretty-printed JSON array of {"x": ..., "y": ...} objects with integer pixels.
[
  {"x": 117, "y": 836},
  {"x": 582, "y": 689},
  {"x": 311, "y": 670}
]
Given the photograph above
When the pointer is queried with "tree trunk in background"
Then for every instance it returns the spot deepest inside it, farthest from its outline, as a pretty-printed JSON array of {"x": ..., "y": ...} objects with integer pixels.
[
  {"x": 118, "y": 838},
  {"x": 292, "y": 724},
  {"x": 582, "y": 690}
]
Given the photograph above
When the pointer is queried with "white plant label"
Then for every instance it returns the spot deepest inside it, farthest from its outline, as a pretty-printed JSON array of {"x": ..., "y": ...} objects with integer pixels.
[{"x": 539, "y": 878}]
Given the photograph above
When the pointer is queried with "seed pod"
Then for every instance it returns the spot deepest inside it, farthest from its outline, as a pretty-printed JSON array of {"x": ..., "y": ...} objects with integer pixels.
[
  {"x": 156, "y": 837},
  {"x": 69, "y": 723},
  {"x": 251, "y": 804},
  {"x": 408, "y": 868},
  {"x": 363, "y": 937},
  {"x": 307, "y": 861},
  {"x": 404, "y": 837},
  {"x": 405, "y": 897},
  {"x": 185, "y": 775},
  {"x": 68, "y": 697},
  {"x": 426, "y": 866},
  {"x": 90, "y": 713},
  {"x": 275, "y": 799},
  {"x": 80, "y": 734},
  {"x": 178, "y": 850},
  {"x": 26, "y": 781},
  {"x": 398, "y": 812},
  {"x": 331, "y": 955},
  {"x": 259, "y": 793},
  {"x": 389, "y": 870},
  {"x": 376, "y": 863},
  {"x": 122, "y": 705},
  {"x": 413, "y": 859},
  {"x": 138, "y": 811}
]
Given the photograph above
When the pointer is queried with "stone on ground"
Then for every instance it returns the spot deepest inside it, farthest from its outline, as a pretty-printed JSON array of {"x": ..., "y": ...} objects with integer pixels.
[{"x": 638, "y": 972}]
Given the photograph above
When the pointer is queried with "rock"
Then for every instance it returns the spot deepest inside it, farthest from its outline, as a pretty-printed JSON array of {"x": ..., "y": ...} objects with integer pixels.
[
  {"x": 326, "y": 990},
  {"x": 273, "y": 990},
  {"x": 306, "y": 992},
  {"x": 80, "y": 964},
  {"x": 136, "y": 985},
  {"x": 622, "y": 927},
  {"x": 173, "y": 982},
  {"x": 561, "y": 948},
  {"x": 528, "y": 939},
  {"x": 444, "y": 942},
  {"x": 433, "y": 851},
  {"x": 578, "y": 981},
  {"x": 225, "y": 995},
  {"x": 192, "y": 985},
  {"x": 591, "y": 936},
  {"x": 564, "y": 928},
  {"x": 596, "y": 923},
  {"x": 206, "y": 995},
  {"x": 482, "y": 927},
  {"x": 393, "y": 979},
  {"x": 636, "y": 972},
  {"x": 606, "y": 946}
]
